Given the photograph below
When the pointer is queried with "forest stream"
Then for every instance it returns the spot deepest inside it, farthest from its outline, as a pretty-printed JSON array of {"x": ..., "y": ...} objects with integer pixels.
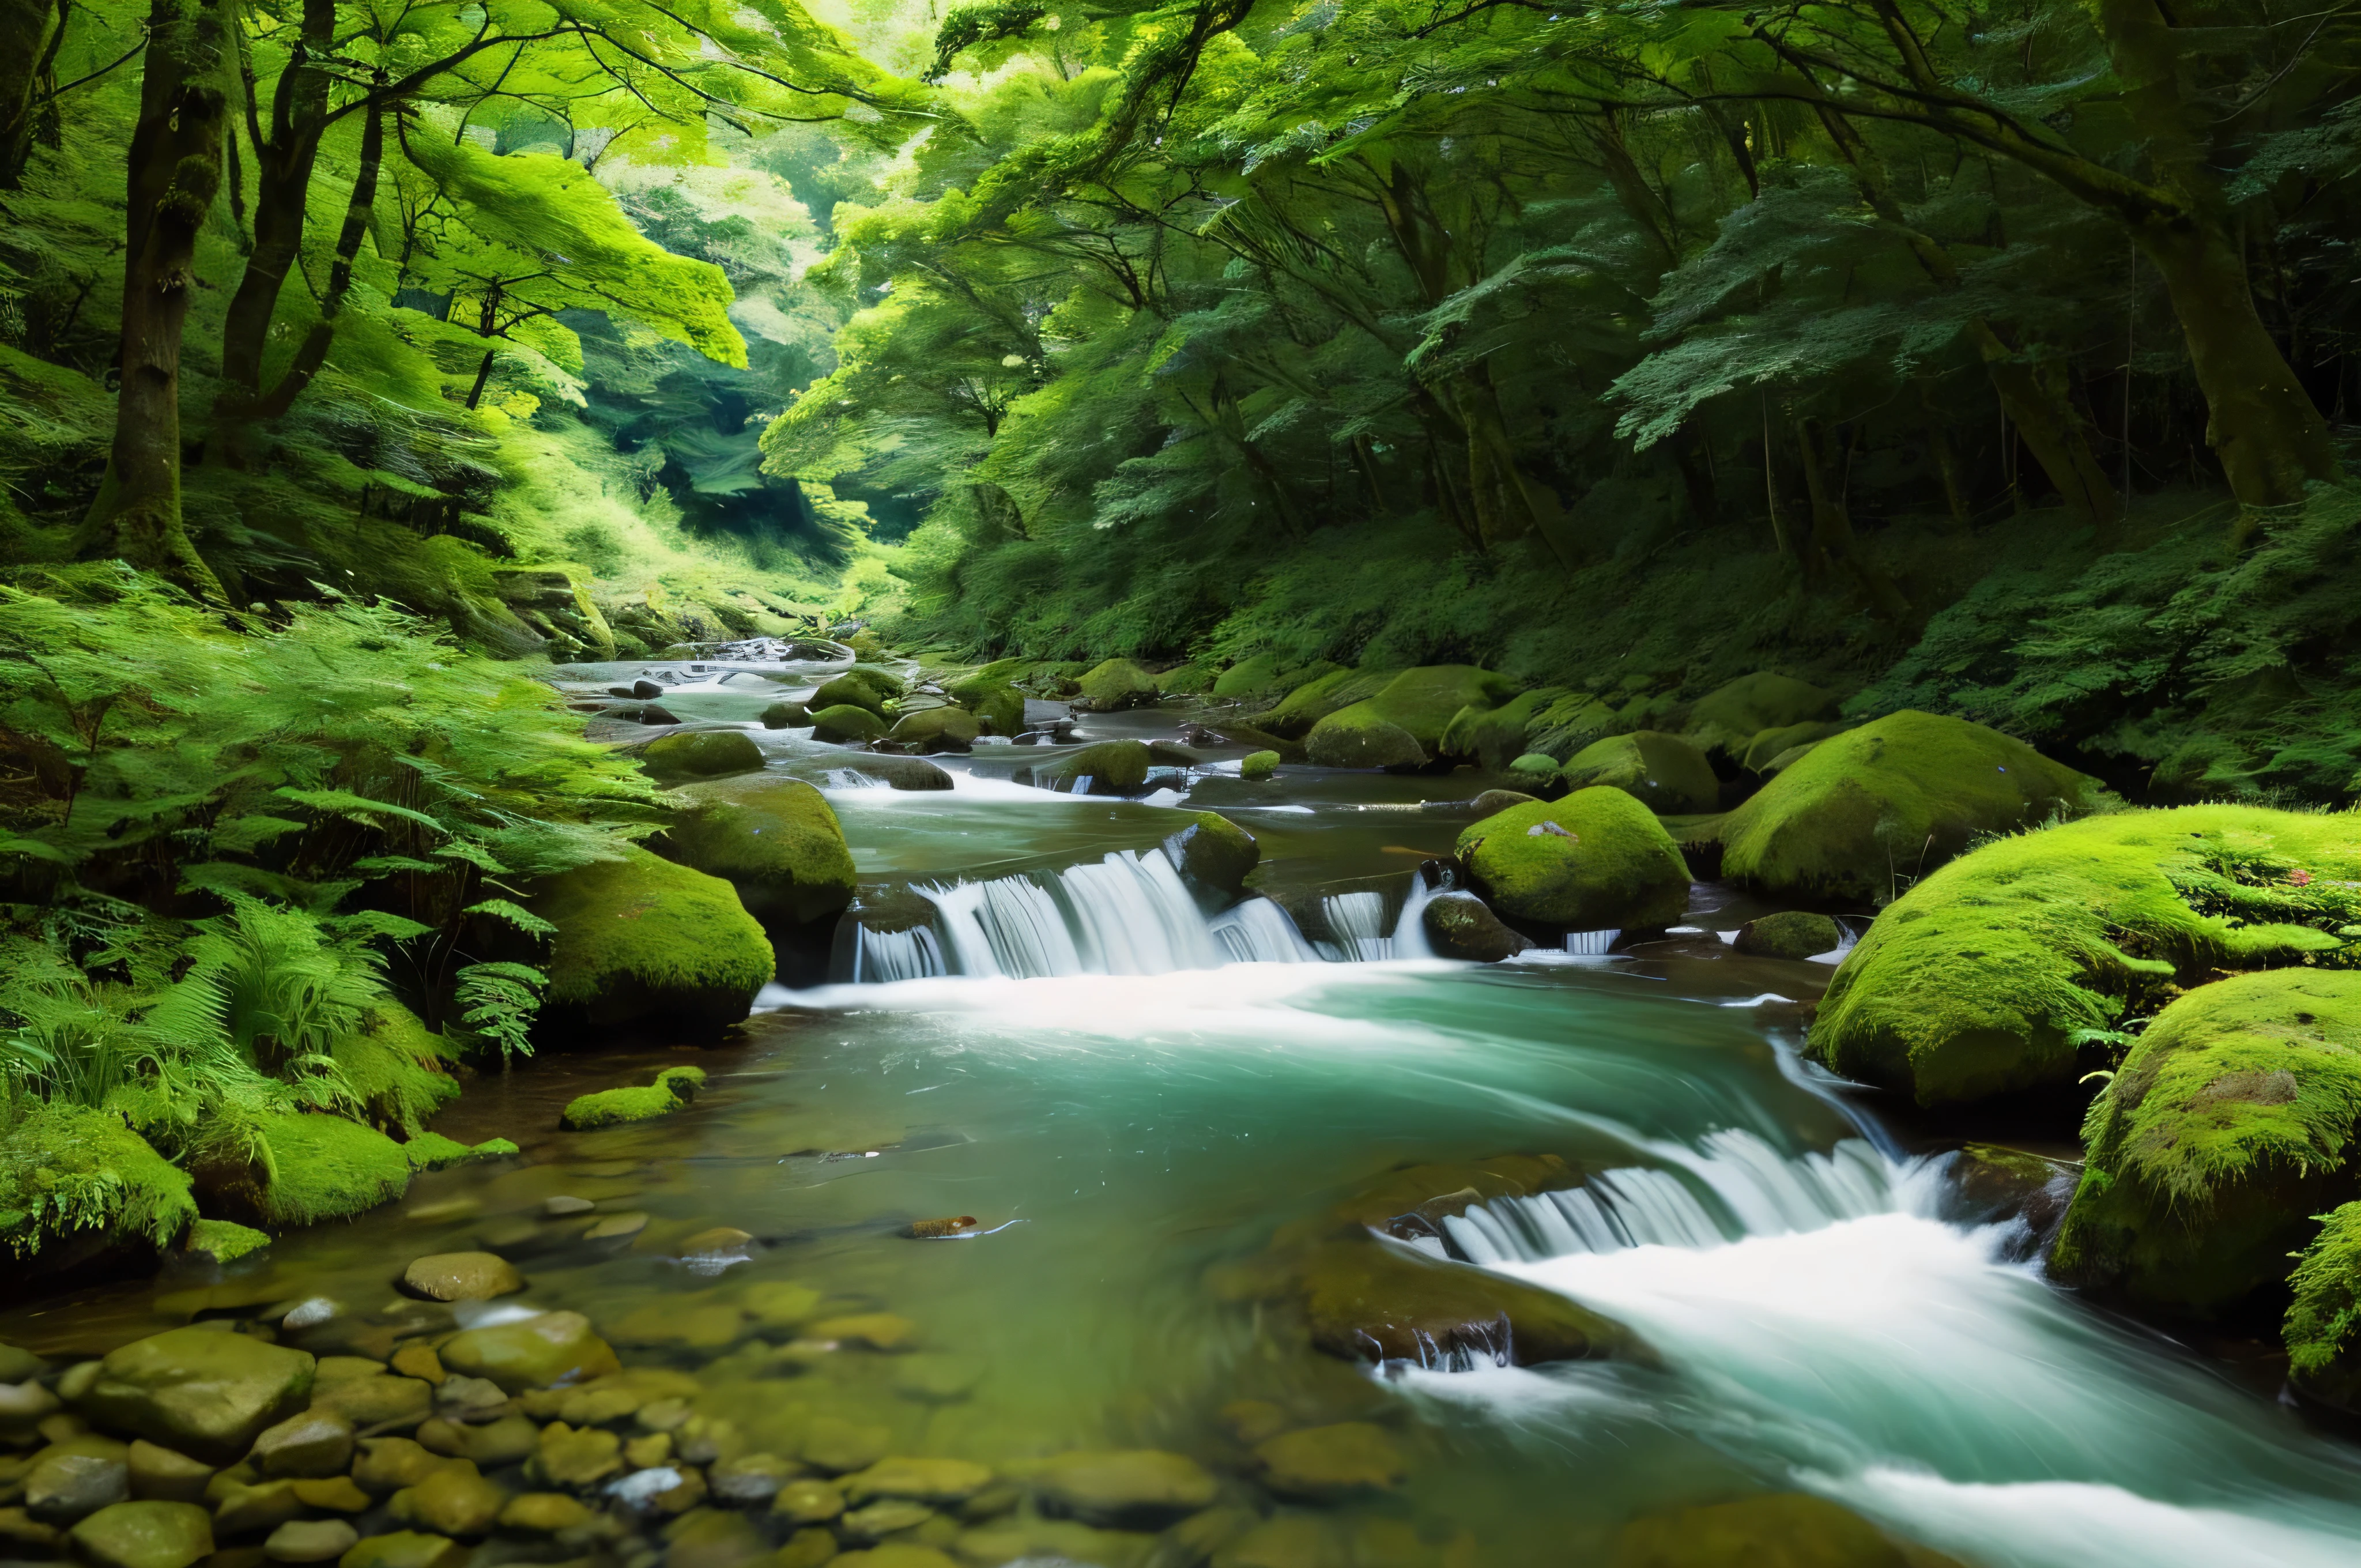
[{"x": 1130, "y": 1099}]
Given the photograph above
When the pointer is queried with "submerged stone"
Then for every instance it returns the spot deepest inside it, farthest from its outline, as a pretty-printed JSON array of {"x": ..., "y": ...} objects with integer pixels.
[
  {"x": 1788, "y": 1529},
  {"x": 199, "y": 1391},
  {"x": 1332, "y": 1461},
  {"x": 1138, "y": 1488},
  {"x": 673, "y": 1088},
  {"x": 1461, "y": 926},
  {"x": 703, "y": 755},
  {"x": 534, "y": 1353},
  {"x": 145, "y": 1535},
  {"x": 1790, "y": 934},
  {"x": 462, "y": 1277}
]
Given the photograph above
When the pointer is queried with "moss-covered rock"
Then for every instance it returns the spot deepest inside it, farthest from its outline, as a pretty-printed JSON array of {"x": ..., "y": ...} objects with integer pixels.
[
  {"x": 2228, "y": 1127},
  {"x": 1461, "y": 926},
  {"x": 1866, "y": 812},
  {"x": 643, "y": 941},
  {"x": 1250, "y": 678},
  {"x": 553, "y": 1347},
  {"x": 1787, "y": 1529},
  {"x": 847, "y": 724},
  {"x": 2324, "y": 1325},
  {"x": 1214, "y": 856},
  {"x": 1258, "y": 764},
  {"x": 67, "y": 1171},
  {"x": 223, "y": 1241},
  {"x": 775, "y": 840},
  {"x": 1728, "y": 718},
  {"x": 1359, "y": 737},
  {"x": 1113, "y": 767},
  {"x": 942, "y": 729},
  {"x": 997, "y": 705},
  {"x": 1790, "y": 934},
  {"x": 887, "y": 768},
  {"x": 1776, "y": 750},
  {"x": 857, "y": 687},
  {"x": 1494, "y": 737},
  {"x": 1191, "y": 679},
  {"x": 1663, "y": 772},
  {"x": 398, "y": 1068},
  {"x": 1314, "y": 700},
  {"x": 1116, "y": 684},
  {"x": 1419, "y": 702},
  {"x": 787, "y": 715},
  {"x": 1572, "y": 722},
  {"x": 1595, "y": 859},
  {"x": 199, "y": 1392},
  {"x": 1980, "y": 978},
  {"x": 701, "y": 754},
  {"x": 319, "y": 1167},
  {"x": 673, "y": 1088}
]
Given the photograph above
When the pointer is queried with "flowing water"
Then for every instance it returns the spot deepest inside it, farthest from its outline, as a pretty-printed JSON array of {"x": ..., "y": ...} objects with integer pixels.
[{"x": 1132, "y": 1098}]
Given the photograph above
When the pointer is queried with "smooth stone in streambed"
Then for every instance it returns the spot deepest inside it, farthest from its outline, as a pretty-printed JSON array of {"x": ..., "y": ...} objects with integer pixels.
[
  {"x": 470, "y": 1399},
  {"x": 405, "y": 1549},
  {"x": 17, "y": 1365},
  {"x": 378, "y": 1401},
  {"x": 534, "y": 1353},
  {"x": 665, "y": 1491},
  {"x": 23, "y": 1407},
  {"x": 751, "y": 1480},
  {"x": 665, "y": 1415},
  {"x": 508, "y": 1441},
  {"x": 877, "y": 1520},
  {"x": 779, "y": 1303},
  {"x": 418, "y": 1361},
  {"x": 76, "y": 1477},
  {"x": 387, "y": 1465},
  {"x": 1461, "y": 926},
  {"x": 721, "y": 1238},
  {"x": 879, "y": 1331},
  {"x": 808, "y": 1501},
  {"x": 1782, "y": 1527},
  {"x": 893, "y": 1554},
  {"x": 1323, "y": 1462},
  {"x": 708, "y": 1328},
  {"x": 1790, "y": 934},
  {"x": 241, "y": 1510},
  {"x": 576, "y": 1459},
  {"x": 311, "y": 1540},
  {"x": 145, "y": 1535},
  {"x": 454, "y": 1500},
  {"x": 162, "y": 1475},
  {"x": 806, "y": 1548},
  {"x": 617, "y": 1227},
  {"x": 544, "y": 1513},
  {"x": 461, "y": 1276},
  {"x": 200, "y": 1391},
  {"x": 317, "y": 1442},
  {"x": 566, "y": 1203},
  {"x": 713, "y": 1538},
  {"x": 336, "y": 1494},
  {"x": 838, "y": 1445},
  {"x": 921, "y": 1480},
  {"x": 1023, "y": 1540},
  {"x": 1140, "y": 1488}
]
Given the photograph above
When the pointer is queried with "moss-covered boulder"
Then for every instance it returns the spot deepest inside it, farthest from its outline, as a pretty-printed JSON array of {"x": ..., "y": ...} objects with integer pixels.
[
  {"x": 1594, "y": 860},
  {"x": 1250, "y": 678},
  {"x": 2324, "y": 1323},
  {"x": 1461, "y": 926},
  {"x": 775, "y": 840},
  {"x": 397, "y": 1067},
  {"x": 1663, "y": 772},
  {"x": 1863, "y": 813},
  {"x": 1785, "y": 1529},
  {"x": 1191, "y": 679},
  {"x": 1774, "y": 751},
  {"x": 1419, "y": 702},
  {"x": 1258, "y": 764},
  {"x": 944, "y": 729},
  {"x": 1214, "y": 857},
  {"x": 1116, "y": 684},
  {"x": 1728, "y": 718},
  {"x": 1790, "y": 934},
  {"x": 701, "y": 754},
  {"x": 1314, "y": 700},
  {"x": 1113, "y": 767},
  {"x": 644, "y": 942},
  {"x": 68, "y": 1173},
  {"x": 2228, "y": 1129},
  {"x": 320, "y": 1167},
  {"x": 1494, "y": 737},
  {"x": 847, "y": 724},
  {"x": 997, "y": 705},
  {"x": 1983, "y": 977},
  {"x": 787, "y": 715},
  {"x": 673, "y": 1088},
  {"x": 862, "y": 686}
]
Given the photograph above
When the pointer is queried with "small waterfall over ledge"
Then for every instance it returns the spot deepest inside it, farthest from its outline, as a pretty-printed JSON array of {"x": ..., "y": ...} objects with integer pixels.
[{"x": 1128, "y": 913}]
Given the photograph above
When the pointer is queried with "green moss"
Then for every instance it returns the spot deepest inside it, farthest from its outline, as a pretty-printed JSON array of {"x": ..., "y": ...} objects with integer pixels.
[
  {"x": 66, "y": 1169},
  {"x": 1763, "y": 753},
  {"x": 2228, "y": 1129},
  {"x": 1258, "y": 764},
  {"x": 1979, "y": 978},
  {"x": 1538, "y": 766},
  {"x": 225, "y": 1241},
  {"x": 1309, "y": 703},
  {"x": 672, "y": 1089},
  {"x": 1004, "y": 672},
  {"x": 857, "y": 687},
  {"x": 432, "y": 1151},
  {"x": 320, "y": 1167},
  {"x": 847, "y": 723},
  {"x": 1113, "y": 767},
  {"x": 1790, "y": 934},
  {"x": 1569, "y": 724},
  {"x": 937, "y": 729},
  {"x": 1728, "y": 718},
  {"x": 1249, "y": 678},
  {"x": 398, "y": 1068},
  {"x": 642, "y": 941},
  {"x": 1214, "y": 855},
  {"x": 1494, "y": 736},
  {"x": 785, "y": 715},
  {"x": 2322, "y": 1329},
  {"x": 1664, "y": 772},
  {"x": 775, "y": 840},
  {"x": 702, "y": 754},
  {"x": 1362, "y": 737},
  {"x": 1594, "y": 860},
  {"x": 1191, "y": 679},
  {"x": 1863, "y": 814},
  {"x": 1117, "y": 682},
  {"x": 1000, "y": 707}
]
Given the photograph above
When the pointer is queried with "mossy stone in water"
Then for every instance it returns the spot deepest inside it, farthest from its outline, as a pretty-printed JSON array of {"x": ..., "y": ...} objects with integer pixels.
[
  {"x": 1791, "y": 1529},
  {"x": 1976, "y": 981},
  {"x": 1360, "y": 737},
  {"x": 1728, "y": 718},
  {"x": 1117, "y": 684},
  {"x": 1113, "y": 767},
  {"x": 1773, "y": 751},
  {"x": 1314, "y": 700},
  {"x": 320, "y": 1167},
  {"x": 854, "y": 688},
  {"x": 845, "y": 723},
  {"x": 1492, "y": 802},
  {"x": 2227, "y": 1128},
  {"x": 1461, "y": 926},
  {"x": 942, "y": 729},
  {"x": 1332, "y": 1462},
  {"x": 61, "y": 1159},
  {"x": 1494, "y": 737},
  {"x": 199, "y": 1392},
  {"x": 1663, "y": 772},
  {"x": 1214, "y": 855},
  {"x": 1790, "y": 934},
  {"x": 2324, "y": 1325},
  {"x": 774, "y": 840},
  {"x": 787, "y": 715},
  {"x": 398, "y": 1068},
  {"x": 998, "y": 705},
  {"x": 1595, "y": 860},
  {"x": 672, "y": 1089},
  {"x": 1249, "y": 678},
  {"x": 642, "y": 940},
  {"x": 1419, "y": 702},
  {"x": 535, "y": 1353},
  {"x": 1865, "y": 813},
  {"x": 223, "y": 1241},
  {"x": 1258, "y": 764},
  {"x": 704, "y": 754},
  {"x": 145, "y": 1535},
  {"x": 1131, "y": 1488}
]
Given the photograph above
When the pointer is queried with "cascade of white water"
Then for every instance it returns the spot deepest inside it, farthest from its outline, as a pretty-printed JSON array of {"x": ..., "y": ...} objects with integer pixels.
[
  {"x": 1591, "y": 944},
  {"x": 1357, "y": 921},
  {"x": 1410, "y": 926},
  {"x": 1009, "y": 926},
  {"x": 896, "y": 955},
  {"x": 1135, "y": 917},
  {"x": 1258, "y": 932}
]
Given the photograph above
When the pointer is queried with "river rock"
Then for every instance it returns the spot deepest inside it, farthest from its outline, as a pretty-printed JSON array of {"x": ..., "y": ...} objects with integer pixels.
[
  {"x": 863, "y": 687},
  {"x": 1419, "y": 704},
  {"x": 808, "y": 1500},
  {"x": 544, "y": 1513},
  {"x": 703, "y": 755},
  {"x": 575, "y": 1458},
  {"x": 317, "y": 1442},
  {"x": 879, "y": 1519},
  {"x": 200, "y": 1391},
  {"x": 462, "y": 1277},
  {"x": 405, "y": 1549},
  {"x": 1728, "y": 718},
  {"x": 2323, "y": 1328},
  {"x": 387, "y": 1465},
  {"x": 1782, "y": 1529},
  {"x": 335, "y": 1494},
  {"x": 1116, "y": 684},
  {"x": 252, "y": 1509},
  {"x": 549, "y": 1348},
  {"x": 1866, "y": 813},
  {"x": 752, "y": 1480},
  {"x": 75, "y": 1478},
  {"x": 999, "y": 706},
  {"x": 1135, "y": 1489},
  {"x": 145, "y": 1535},
  {"x": 899, "y": 772},
  {"x": 379, "y": 1401},
  {"x": 1113, "y": 767},
  {"x": 785, "y": 715},
  {"x": 923, "y": 1480},
  {"x": 1214, "y": 857},
  {"x": 673, "y": 1088},
  {"x": 1361, "y": 738},
  {"x": 893, "y": 1554},
  {"x": 713, "y": 1538},
  {"x": 1332, "y": 1461},
  {"x": 878, "y": 1331},
  {"x": 507, "y": 1440},
  {"x": 1596, "y": 859},
  {"x": 1663, "y": 772},
  {"x": 1258, "y": 764},
  {"x": 454, "y": 1500},
  {"x": 847, "y": 724},
  {"x": 1461, "y": 926},
  {"x": 838, "y": 1445},
  {"x": 776, "y": 841},
  {"x": 311, "y": 1540},
  {"x": 23, "y": 1407},
  {"x": 160, "y": 1475},
  {"x": 642, "y": 940},
  {"x": 937, "y": 729},
  {"x": 1790, "y": 934},
  {"x": 665, "y": 1492}
]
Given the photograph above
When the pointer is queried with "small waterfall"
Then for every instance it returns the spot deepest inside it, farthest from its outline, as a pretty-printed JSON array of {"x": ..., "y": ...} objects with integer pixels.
[
  {"x": 1135, "y": 916},
  {"x": 1011, "y": 926},
  {"x": 1357, "y": 921},
  {"x": 896, "y": 955},
  {"x": 1592, "y": 944},
  {"x": 1410, "y": 929},
  {"x": 846, "y": 778},
  {"x": 1258, "y": 932}
]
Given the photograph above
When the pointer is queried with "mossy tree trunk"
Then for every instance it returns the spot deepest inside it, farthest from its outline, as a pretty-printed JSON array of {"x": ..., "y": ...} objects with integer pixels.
[
  {"x": 1832, "y": 525},
  {"x": 175, "y": 160},
  {"x": 30, "y": 32}
]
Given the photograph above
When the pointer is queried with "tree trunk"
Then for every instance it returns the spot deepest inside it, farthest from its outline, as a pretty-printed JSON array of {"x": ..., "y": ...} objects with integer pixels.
[
  {"x": 175, "y": 173},
  {"x": 483, "y": 377},
  {"x": 313, "y": 351},
  {"x": 2053, "y": 429},
  {"x": 30, "y": 31},
  {"x": 1832, "y": 528}
]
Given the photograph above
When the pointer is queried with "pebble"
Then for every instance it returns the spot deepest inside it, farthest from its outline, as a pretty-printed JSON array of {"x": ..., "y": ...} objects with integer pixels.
[
  {"x": 880, "y": 1519},
  {"x": 1138, "y": 1488},
  {"x": 454, "y": 1500},
  {"x": 405, "y": 1549},
  {"x": 649, "y": 1452},
  {"x": 336, "y": 1494},
  {"x": 617, "y": 1227},
  {"x": 63, "y": 1486},
  {"x": 565, "y": 1203},
  {"x": 418, "y": 1361},
  {"x": 576, "y": 1459},
  {"x": 1331, "y": 1461},
  {"x": 544, "y": 1513},
  {"x": 665, "y": 1415},
  {"x": 807, "y": 1501},
  {"x": 470, "y": 1399},
  {"x": 145, "y": 1535},
  {"x": 721, "y": 1238},
  {"x": 752, "y": 1480},
  {"x": 462, "y": 1277},
  {"x": 23, "y": 1407},
  {"x": 242, "y": 1509},
  {"x": 309, "y": 1313},
  {"x": 310, "y": 1541},
  {"x": 160, "y": 1475},
  {"x": 922, "y": 1480},
  {"x": 317, "y": 1442},
  {"x": 388, "y": 1463}
]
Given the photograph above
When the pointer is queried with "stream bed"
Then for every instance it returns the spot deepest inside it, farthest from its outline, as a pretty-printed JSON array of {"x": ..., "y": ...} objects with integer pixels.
[{"x": 1131, "y": 1114}]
